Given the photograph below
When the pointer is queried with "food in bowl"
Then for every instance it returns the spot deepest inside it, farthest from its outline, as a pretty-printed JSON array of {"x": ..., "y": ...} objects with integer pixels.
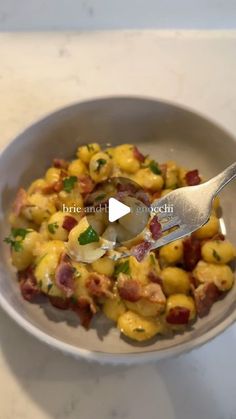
[{"x": 59, "y": 249}]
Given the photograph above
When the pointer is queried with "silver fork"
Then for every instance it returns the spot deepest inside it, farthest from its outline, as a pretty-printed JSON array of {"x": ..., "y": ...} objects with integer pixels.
[
  {"x": 191, "y": 206},
  {"x": 191, "y": 209}
]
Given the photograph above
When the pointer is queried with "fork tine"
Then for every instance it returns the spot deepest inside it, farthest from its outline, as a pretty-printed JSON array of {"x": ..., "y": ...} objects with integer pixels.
[
  {"x": 174, "y": 235},
  {"x": 173, "y": 222}
]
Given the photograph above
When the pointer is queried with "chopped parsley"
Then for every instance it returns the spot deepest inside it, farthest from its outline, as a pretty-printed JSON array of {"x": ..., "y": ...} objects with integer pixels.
[
  {"x": 50, "y": 286},
  {"x": 100, "y": 163},
  {"x": 90, "y": 147},
  {"x": 53, "y": 227},
  {"x": 69, "y": 183},
  {"x": 139, "y": 329},
  {"x": 16, "y": 238},
  {"x": 77, "y": 274},
  {"x": 216, "y": 255},
  {"x": 153, "y": 166},
  {"x": 152, "y": 259},
  {"x": 88, "y": 236},
  {"x": 122, "y": 268}
]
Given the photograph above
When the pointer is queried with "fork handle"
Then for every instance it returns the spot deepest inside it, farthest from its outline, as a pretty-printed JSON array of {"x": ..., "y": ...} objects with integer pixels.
[{"x": 221, "y": 180}]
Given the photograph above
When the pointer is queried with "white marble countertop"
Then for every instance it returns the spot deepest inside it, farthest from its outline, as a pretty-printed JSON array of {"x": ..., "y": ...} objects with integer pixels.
[{"x": 44, "y": 71}]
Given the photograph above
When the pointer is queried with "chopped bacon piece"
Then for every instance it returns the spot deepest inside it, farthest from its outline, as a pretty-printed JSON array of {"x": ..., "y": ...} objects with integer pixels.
[
  {"x": 205, "y": 296},
  {"x": 53, "y": 187},
  {"x": 140, "y": 250},
  {"x": 64, "y": 276},
  {"x": 218, "y": 236},
  {"x": 178, "y": 315},
  {"x": 85, "y": 184},
  {"x": 20, "y": 201},
  {"x": 156, "y": 195},
  {"x": 99, "y": 285},
  {"x": 192, "y": 253},
  {"x": 129, "y": 289},
  {"x": 154, "y": 294},
  {"x": 28, "y": 285},
  {"x": 128, "y": 188},
  {"x": 153, "y": 277},
  {"x": 155, "y": 228},
  {"x": 85, "y": 310},
  {"x": 163, "y": 169},
  {"x": 138, "y": 155},
  {"x": 60, "y": 163},
  {"x": 69, "y": 223},
  {"x": 58, "y": 302},
  {"x": 192, "y": 178}
]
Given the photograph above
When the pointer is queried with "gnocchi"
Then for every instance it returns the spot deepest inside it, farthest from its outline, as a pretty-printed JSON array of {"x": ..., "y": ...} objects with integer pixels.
[{"x": 69, "y": 257}]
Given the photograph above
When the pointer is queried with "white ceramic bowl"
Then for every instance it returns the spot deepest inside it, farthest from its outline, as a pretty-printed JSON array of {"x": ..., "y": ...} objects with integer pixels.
[{"x": 161, "y": 129}]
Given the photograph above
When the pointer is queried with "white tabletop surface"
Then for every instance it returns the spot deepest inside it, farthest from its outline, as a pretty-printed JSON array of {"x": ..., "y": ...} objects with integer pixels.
[{"x": 41, "y": 72}]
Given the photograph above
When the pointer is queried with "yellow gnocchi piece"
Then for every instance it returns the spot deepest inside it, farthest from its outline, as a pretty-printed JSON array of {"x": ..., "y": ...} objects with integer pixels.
[
  {"x": 100, "y": 167},
  {"x": 40, "y": 208},
  {"x": 52, "y": 175},
  {"x": 125, "y": 159},
  {"x": 113, "y": 308},
  {"x": 37, "y": 186},
  {"x": 146, "y": 308},
  {"x": 85, "y": 152},
  {"x": 104, "y": 266},
  {"x": 22, "y": 258},
  {"x": 77, "y": 168},
  {"x": 55, "y": 226},
  {"x": 172, "y": 253},
  {"x": 218, "y": 251},
  {"x": 171, "y": 178},
  {"x": 209, "y": 229},
  {"x": 220, "y": 275},
  {"x": 175, "y": 281},
  {"x": 181, "y": 300},
  {"x": 137, "y": 327},
  {"x": 149, "y": 180}
]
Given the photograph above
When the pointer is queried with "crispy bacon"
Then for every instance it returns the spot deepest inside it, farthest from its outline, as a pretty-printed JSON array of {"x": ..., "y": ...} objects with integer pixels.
[
  {"x": 153, "y": 277},
  {"x": 178, "y": 315},
  {"x": 155, "y": 228},
  {"x": 28, "y": 285},
  {"x": 129, "y": 289},
  {"x": 58, "y": 302},
  {"x": 156, "y": 195},
  {"x": 143, "y": 197},
  {"x": 85, "y": 184},
  {"x": 154, "y": 294},
  {"x": 69, "y": 223},
  {"x": 205, "y": 296},
  {"x": 53, "y": 187},
  {"x": 60, "y": 163},
  {"x": 85, "y": 310},
  {"x": 192, "y": 178},
  {"x": 64, "y": 276},
  {"x": 99, "y": 285},
  {"x": 192, "y": 253},
  {"x": 20, "y": 201},
  {"x": 140, "y": 250},
  {"x": 138, "y": 155}
]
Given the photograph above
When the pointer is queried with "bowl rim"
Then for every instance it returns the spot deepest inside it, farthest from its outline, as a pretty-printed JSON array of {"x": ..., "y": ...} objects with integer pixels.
[{"x": 104, "y": 357}]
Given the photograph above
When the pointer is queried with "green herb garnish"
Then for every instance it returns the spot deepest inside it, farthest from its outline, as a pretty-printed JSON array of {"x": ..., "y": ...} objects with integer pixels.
[
  {"x": 74, "y": 300},
  {"x": 216, "y": 255},
  {"x": 16, "y": 238},
  {"x": 90, "y": 147},
  {"x": 100, "y": 163},
  {"x": 49, "y": 287},
  {"x": 88, "y": 236},
  {"x": 152, "y": 259},
  {"x": 139, "y": 329},
  {"x": 77, "y": 274},
  {"x": 69, "y": 183},
  {"x": 53, "y": 227},
  {"x": 122, "y": 268},
  {"x": 153, "y": 166}
]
